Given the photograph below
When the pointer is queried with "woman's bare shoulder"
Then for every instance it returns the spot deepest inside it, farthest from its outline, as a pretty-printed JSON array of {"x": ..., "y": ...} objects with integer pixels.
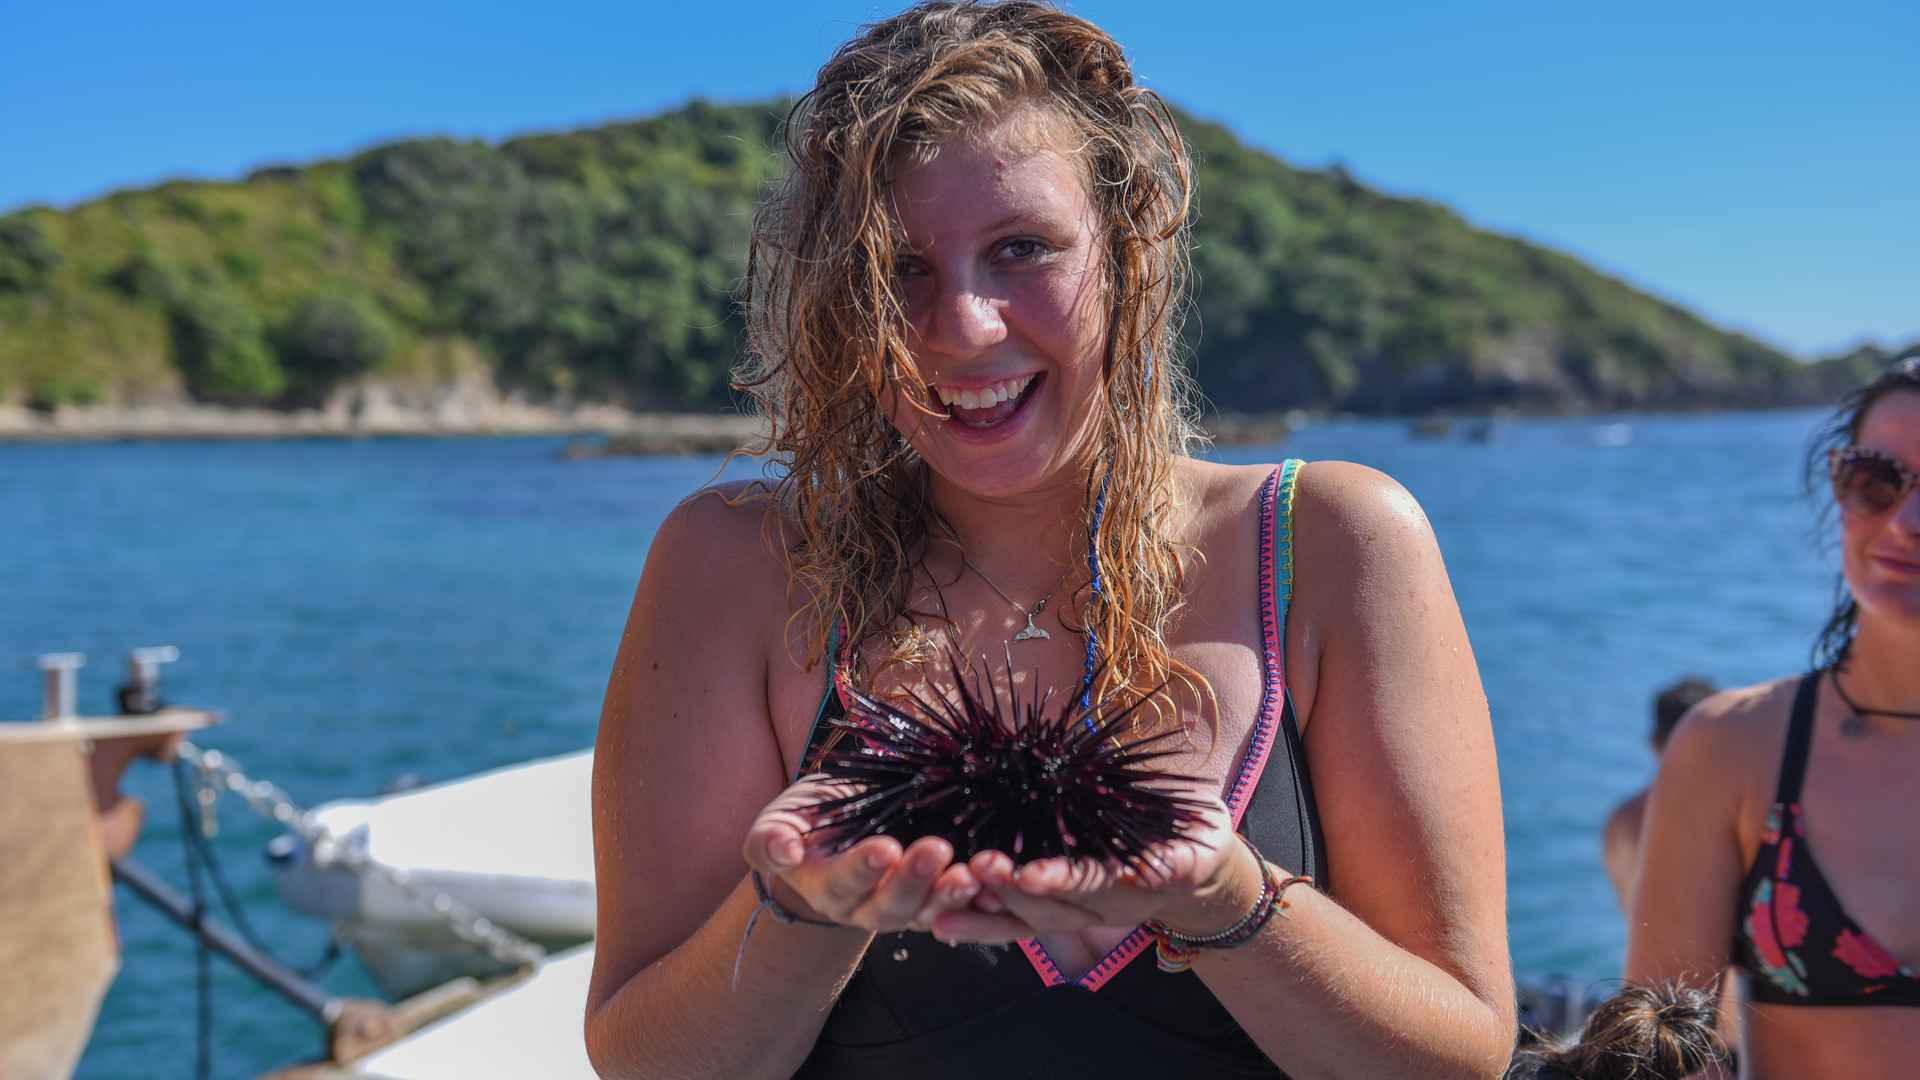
[
  {"x": 718, "y": 561},
  {"x": 1737, "y": 722},
  {"x": 737, "y": 510},
  {"x": 1334, "y": 503},
  {"x": 1727, "y": 748},
  {"x": 1357, "y": 530},
  {"x": 1215, "y": 496},
  {"x": 1351, "y": 500},
  {"x": 739, "y": 523}
]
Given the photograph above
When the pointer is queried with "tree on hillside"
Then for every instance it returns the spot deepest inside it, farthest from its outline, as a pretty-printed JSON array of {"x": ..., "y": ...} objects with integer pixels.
[{"x": 601, "y": 265}]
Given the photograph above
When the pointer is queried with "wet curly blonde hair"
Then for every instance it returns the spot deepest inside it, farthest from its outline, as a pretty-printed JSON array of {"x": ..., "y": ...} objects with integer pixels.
[{"x": 827, "y": 335}]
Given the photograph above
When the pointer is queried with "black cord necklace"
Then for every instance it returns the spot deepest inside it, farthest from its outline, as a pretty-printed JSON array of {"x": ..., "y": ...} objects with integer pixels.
[{"x": 1855, "y": 725}]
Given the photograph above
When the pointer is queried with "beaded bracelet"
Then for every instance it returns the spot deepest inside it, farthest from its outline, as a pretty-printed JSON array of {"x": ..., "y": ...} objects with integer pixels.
[{"x": 1174, "y": 951}]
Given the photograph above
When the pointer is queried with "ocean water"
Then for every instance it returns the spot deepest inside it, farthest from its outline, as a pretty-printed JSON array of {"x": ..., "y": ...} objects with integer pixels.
[{"x": 363, "y": 609}]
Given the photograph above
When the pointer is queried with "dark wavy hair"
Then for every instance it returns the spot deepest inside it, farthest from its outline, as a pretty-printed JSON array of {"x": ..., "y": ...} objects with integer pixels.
[
  {"x": 1830, "y": 649},
  {"x": 1664, "y": 1032}
]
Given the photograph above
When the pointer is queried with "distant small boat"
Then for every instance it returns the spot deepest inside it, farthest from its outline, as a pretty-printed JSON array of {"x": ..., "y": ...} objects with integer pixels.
[{"x": 1616, "y": 434}]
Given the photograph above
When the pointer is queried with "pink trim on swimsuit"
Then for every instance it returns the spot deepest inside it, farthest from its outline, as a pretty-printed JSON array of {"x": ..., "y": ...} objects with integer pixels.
[{"x": 1273, "y": 685}]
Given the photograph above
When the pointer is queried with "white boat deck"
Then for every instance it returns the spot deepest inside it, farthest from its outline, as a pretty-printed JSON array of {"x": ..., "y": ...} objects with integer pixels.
[
  {"x": 514, "y": 845},
  {"x": 528, "y": 820}
]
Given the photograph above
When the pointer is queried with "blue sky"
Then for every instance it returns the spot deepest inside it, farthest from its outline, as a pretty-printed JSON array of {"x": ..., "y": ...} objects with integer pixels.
[{"x": 1758, "y": 162}]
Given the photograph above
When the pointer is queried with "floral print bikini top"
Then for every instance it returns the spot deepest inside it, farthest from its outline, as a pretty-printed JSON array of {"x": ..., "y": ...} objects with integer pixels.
[{"x": 1796, "y": 943}]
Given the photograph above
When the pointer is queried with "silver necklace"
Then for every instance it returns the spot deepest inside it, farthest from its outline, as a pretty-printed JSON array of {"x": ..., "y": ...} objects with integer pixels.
[{"x": 1033, "y": 631}]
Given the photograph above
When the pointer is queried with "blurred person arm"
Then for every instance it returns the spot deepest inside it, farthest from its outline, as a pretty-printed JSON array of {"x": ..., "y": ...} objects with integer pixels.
[
  {"x": 121, "y": 815},
  {"x": 1620, "y": 846}
]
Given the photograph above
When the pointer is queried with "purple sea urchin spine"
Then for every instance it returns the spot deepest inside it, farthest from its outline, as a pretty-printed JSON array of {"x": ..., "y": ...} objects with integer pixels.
[{"x": 1026, "y": 783}]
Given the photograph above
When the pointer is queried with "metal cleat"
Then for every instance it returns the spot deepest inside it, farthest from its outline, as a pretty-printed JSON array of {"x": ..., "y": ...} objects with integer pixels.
[
  {"x": 57, "y": 701},
  {"x": 141, "y": 694}
]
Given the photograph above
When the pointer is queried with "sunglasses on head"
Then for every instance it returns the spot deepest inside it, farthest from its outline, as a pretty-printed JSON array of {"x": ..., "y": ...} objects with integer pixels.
[{"x": 1869, "y": 482}]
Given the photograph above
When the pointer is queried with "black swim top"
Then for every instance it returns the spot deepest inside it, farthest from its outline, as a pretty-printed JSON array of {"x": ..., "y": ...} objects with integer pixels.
[
  {"x": 917, "y": 1008},
  {"x": 1796, "y": 942}
]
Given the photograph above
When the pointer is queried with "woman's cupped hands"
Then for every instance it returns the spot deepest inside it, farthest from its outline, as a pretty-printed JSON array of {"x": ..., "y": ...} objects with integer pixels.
[{"x": 881, "y": 885}]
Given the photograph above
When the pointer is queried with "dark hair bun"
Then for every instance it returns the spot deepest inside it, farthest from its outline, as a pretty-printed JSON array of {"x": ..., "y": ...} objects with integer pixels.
[{"x": 1641, "y": 1033}]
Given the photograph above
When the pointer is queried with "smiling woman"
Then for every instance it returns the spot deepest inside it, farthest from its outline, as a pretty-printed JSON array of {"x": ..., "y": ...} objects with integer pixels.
[
  {"x": 963, "y": 314},
  {"x": 1756, "y": 780}
]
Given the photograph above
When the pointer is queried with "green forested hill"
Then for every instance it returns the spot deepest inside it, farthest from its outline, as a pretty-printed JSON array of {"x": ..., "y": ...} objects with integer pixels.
[{"x": 596, "y": 265}]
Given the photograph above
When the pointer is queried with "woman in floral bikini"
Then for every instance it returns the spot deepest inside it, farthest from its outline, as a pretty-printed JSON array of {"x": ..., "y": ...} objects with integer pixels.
[{"x": 1757, "y": 781}]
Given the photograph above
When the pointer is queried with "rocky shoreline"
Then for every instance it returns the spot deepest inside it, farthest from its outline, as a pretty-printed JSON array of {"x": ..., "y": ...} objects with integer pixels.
[
  {"x": 375, "y": 409},
  {"x": 660, "y": 432},
  {"x": 600, "y": 430}
]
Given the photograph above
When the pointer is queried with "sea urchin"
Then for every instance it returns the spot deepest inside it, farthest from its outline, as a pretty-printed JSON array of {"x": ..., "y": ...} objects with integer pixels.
[{"x": 1027, "y": 783}]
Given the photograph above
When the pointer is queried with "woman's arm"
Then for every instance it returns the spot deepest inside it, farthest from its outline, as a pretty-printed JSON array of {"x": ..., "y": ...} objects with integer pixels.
[
  {"x": 1680, "y": 924},
  {"x": 1403, "y": 971},
  {"x": 685, "y": 760},
  {"x": 686, "y": 764},
  {"x": 1620, "y": 846}
]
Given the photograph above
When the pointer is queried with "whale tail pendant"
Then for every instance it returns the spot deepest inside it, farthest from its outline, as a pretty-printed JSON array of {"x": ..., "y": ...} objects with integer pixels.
[{"x": 1032, "y": 632}]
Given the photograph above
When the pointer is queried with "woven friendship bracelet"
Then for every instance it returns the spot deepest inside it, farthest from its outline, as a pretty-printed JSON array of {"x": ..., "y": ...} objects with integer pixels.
[
  {"x": 1174, "y": 951},
  {"x": 771, "y": 907}
]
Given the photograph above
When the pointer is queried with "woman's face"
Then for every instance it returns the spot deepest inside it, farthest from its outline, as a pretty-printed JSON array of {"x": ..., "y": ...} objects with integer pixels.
[
  {"x": 1881, "y": 552},
  {"x": 1002, "y": 279}
]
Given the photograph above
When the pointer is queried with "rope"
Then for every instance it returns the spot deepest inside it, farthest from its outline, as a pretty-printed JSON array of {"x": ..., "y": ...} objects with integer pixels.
[
  {"x": 230, "y": 903},
  {"x": 203, "y": 960},
  {"x": 270, "y": 802}
]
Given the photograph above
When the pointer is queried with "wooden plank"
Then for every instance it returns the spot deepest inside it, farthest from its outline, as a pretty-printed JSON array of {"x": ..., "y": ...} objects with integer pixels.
[
  {"x": 83, "y": 728},
  {"x": 323, "y": 1073},
  {"x": 57, "y": 946}
]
